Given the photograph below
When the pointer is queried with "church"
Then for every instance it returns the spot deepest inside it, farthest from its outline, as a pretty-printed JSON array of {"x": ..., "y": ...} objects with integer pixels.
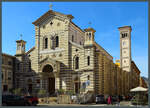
[{"x": 67, "y": 57}]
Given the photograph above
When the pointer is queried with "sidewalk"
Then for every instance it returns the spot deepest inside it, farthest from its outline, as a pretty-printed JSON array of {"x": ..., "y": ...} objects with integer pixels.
[{"x": 123, "y": 103}]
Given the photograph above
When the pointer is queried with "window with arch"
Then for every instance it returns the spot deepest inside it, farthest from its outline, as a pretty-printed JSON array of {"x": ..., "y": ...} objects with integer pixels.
[
  {"x": 124, "y": 35},
  {"x": 88, "y": 77},
  {"x": 87, "y": 36},
  {"x": 88, "y": 60},
  {"x": 57, "y": 41},
  {"x": 46, "y": 43},
  {"x": 72, "y": 38},
  {"x": 90, "y": 36},
  {"x": 76, "y": 62}
]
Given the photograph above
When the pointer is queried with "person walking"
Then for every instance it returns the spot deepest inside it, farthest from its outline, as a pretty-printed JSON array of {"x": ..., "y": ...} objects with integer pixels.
[
  {"x": 109, "y": 100},
  {"x": 118, "y": 101}
]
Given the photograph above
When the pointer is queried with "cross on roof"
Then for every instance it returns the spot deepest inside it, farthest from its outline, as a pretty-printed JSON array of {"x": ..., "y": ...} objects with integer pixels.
[
  {"x": 20, "y": 36},
  {"x": 50, "y": 6},
  {"x": 90, "y": 24}
]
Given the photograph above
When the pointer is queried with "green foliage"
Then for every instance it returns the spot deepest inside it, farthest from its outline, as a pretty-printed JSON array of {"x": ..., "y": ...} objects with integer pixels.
[
  {"x": 42, "y": 92},
  {"x": 70, "y": 92},
  {"x": 17, "y": 91},
  {"x": 61, "y": 91}
]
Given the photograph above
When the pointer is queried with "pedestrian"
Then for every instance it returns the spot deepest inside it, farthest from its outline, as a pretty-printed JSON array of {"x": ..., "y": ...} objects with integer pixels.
[
  {"x": 118, "y": 101},
  {"x": 109, "y": 100}
]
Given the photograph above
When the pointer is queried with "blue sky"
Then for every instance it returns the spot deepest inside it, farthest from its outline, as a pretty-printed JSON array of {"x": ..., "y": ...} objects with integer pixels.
[{"x": 106, "y": 17}]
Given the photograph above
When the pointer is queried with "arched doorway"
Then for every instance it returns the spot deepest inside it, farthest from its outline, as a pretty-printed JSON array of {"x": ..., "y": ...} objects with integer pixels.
[
  {"x": 48, "y": 69},
  {"x": 77, "y": 85}
]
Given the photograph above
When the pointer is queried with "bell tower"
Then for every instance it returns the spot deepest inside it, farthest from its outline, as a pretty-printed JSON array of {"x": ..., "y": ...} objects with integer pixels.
[
  {"x": 89, "y": 36},
  {"x": 20, "y": 47},
  {"x": 125, "y": 48}
]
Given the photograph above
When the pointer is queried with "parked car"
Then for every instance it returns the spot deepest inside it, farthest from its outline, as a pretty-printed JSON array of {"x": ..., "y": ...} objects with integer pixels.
[
  {"x": 114, "y": 99},
  {"x": 100, "y": 99},
  {"x": 33, "y": 100},
  {"x": 14, "y": 100}
]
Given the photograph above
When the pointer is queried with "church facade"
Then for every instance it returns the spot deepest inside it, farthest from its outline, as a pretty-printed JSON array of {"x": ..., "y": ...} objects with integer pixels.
[{"x": 67, "y": 57}]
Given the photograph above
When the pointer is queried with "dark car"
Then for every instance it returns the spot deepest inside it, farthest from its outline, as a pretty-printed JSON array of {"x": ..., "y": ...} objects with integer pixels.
[
  {"x": 33, "y": 100},
  {"x": 100, "y": 99},
  {"x": 114, "y": 99},
  {"x": 14, "y": 100}
]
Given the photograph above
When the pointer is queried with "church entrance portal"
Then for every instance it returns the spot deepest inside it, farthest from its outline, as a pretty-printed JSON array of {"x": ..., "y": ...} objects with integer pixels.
[
  {"x": 48, "y": 69},
  {"x": 77, "y": 85}
]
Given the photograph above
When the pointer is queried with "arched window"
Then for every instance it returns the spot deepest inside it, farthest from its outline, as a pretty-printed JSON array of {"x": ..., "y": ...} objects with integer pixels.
[
  {"x": 87, "y": 35},
  {"x": 72, "y": 38},
  {"x": 90, "y": 36},
  {"x": 88, "y": 60},
  {"x": 77, "y": 63},
  {"x": 123, "y": 35},
  {"x": 46, "y": 43},
  {"x": 57, "y": 41},
  {"x": 88, "y": 77}
]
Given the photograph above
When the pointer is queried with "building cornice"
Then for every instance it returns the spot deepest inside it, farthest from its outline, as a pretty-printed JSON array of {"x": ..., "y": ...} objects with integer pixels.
[{"x": 4, "y": 54}]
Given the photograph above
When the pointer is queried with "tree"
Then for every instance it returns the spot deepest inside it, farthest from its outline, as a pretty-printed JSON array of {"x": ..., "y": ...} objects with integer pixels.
[
  {"x": 17, "y": 91},
  {"x": 41, "y": 92}
]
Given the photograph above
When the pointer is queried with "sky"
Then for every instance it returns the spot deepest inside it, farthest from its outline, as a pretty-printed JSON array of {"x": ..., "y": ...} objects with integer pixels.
[{"x": 105, "y": 18}]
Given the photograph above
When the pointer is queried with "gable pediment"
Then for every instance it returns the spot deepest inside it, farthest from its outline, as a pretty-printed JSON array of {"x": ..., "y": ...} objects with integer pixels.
[
  {"x": 47, "y": 59},
  {"x": 51, "y": 14}
]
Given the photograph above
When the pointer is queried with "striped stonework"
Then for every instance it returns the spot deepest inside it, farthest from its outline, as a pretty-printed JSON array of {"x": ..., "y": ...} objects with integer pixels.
[{"x": 67, "y": 57}]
